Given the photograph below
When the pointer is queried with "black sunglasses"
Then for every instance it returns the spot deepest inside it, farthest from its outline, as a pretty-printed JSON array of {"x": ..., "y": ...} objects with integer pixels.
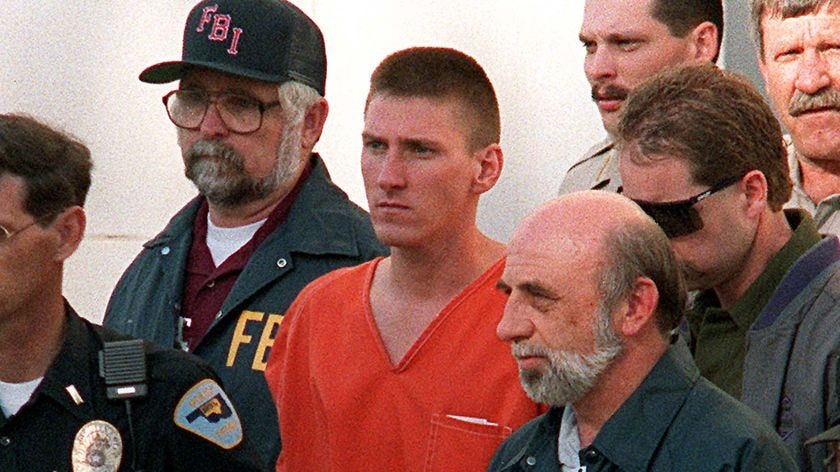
[{"x": 680, "y": 218}]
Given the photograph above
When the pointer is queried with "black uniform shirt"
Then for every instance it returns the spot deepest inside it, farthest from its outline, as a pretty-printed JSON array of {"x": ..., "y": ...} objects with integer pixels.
[{"x": 70, "y": 415}]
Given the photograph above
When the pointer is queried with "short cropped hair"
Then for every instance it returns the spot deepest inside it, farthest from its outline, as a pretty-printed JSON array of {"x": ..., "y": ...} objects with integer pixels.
[
  {"x": 55, "y": 167},
  {"x": 782, "y": 9},
  {"x": 295, "y": 99},
  {"x": 682, "y": 16},
  {"x": 442, "y": 73},
  {"x": 714, "y": 119},
  {"x": 636, "y": 249}
]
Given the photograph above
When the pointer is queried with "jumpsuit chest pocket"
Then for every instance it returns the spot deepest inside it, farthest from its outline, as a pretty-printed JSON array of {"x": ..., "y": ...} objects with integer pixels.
[{"x": 459, "y": 443}]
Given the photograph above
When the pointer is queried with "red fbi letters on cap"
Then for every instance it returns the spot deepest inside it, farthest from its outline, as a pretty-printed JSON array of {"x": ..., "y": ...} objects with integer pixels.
[{"x": 220, "y": 28}]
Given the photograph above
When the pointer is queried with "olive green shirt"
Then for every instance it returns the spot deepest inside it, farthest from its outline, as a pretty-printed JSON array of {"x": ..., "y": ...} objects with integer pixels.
[{"x": 717, "y": 335}]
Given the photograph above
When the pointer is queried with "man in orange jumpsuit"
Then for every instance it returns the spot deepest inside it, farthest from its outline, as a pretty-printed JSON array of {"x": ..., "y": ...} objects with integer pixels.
[{"x": 394, "y": 364}]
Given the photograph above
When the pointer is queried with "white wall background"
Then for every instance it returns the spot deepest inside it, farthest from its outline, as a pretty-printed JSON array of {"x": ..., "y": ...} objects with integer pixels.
[{"x": 74, "y": 64}]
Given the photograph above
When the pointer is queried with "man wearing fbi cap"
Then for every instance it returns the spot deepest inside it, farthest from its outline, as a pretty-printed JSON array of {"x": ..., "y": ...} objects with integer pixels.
[{"x": 217, "y": 280}]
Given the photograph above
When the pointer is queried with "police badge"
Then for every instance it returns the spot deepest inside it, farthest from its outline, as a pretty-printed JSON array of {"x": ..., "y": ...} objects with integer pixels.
[{"x": 97, "y": 448}]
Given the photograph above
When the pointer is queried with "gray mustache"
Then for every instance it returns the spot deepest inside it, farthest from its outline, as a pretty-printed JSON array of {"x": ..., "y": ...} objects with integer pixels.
[
  {"x": 520, "y": 349},
  {"x": 827, "y": 98},
  {"x": 206, "y": 147}
]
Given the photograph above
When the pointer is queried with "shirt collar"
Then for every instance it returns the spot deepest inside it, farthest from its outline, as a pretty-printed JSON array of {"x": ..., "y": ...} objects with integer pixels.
[
  {"x": 201, "y": 261},
  {"x": 68, "y": 380},
  {"x": 568, "y": 440},
  {"x": 649, "y": 411},
  {"x": 602, "y": 146},
  {"x": 747, "y": 308},
  {"x": 799, "y": 197},
  {"x": 542, "y": 443},
  {"x": 824, "y": 211}
]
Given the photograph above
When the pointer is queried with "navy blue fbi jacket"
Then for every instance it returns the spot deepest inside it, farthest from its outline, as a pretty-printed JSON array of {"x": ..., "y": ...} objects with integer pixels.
[{"x": 323, "y": 231}]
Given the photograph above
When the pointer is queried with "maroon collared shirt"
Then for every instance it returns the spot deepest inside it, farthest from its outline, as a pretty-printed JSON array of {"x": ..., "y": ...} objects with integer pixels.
[{"x": 206, "y": 286}]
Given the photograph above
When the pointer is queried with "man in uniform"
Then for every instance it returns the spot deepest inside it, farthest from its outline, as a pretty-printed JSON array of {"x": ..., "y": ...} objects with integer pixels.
[
  {"x": 627, "y": 41},
  {"x": 218, "y": 279},
  {"x": 595, "y": 291},
  {"x": 393, "y": 365},
  {"x": 797, "y": 42},
  {"x": 63, "y": 407},
  {"x": 703, "y": 154}
]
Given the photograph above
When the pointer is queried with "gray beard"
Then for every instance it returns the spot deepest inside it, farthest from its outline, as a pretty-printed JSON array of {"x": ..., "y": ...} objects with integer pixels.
[
  {"x": 219, "y": 174},
  {"x": 570, "y": 375}
]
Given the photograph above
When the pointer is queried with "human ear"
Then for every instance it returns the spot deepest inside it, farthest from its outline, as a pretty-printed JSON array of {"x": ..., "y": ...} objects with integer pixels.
[
  {"x": 640, "y": 308},
  {"x": 754, "y": 187},
  {"x": 70, "y": 228},
  {"x": 490, "y": 161},
  {"x": 705, "y": 40},
  {"x": 313, "y": 123}
]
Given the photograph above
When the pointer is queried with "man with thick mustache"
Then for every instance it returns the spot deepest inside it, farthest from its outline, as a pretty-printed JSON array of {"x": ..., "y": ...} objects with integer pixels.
[
  {"x": 703, "y": 155},
  {"x": 594, "y": 293},
  {"x": 218, "y": 279},
  {"x": 797, "y": 49},
  {"x": 627, "y": 41}
]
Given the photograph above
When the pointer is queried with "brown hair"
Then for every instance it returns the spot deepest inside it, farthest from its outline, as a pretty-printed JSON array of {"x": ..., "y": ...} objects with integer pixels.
[
  {"x": 636, "y": 249},
  {"x": 54, "y": 166},
  {"x": 715, "y": 120},
  {"x": 682, "y": 16},
  {"x": 442, "y": 73}
]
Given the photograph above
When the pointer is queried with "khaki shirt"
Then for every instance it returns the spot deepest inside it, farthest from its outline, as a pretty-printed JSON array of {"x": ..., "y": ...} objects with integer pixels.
[
  {"x": 825, "y": 213},
  {"x": 597, "y": 170}
]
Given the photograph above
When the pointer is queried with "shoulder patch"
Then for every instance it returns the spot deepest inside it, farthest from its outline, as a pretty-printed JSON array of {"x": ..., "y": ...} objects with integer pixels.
[{"x": 206, "y": 410}]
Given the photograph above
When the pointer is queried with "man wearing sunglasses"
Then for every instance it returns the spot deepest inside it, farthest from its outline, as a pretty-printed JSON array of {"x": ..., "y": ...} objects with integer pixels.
[
  {"x": 218, "y": 279},
  {"x": 702, "y": 154},
  {"x": 626, "y": 41}
]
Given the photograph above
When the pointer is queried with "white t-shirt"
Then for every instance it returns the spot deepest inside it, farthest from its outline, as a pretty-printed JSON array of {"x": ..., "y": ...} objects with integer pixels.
[
  {"x": 568, "y": 442},
  {"x": 223, "y": 242},
  {"x": 15, "y": 395}
]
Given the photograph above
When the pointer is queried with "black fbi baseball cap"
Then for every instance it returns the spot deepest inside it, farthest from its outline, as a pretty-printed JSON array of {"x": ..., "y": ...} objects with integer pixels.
[{"x": 268, "y": 40}]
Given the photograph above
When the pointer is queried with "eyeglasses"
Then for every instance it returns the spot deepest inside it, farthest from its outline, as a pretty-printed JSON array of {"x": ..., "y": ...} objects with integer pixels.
[
  {"x": 6, "y": 235},
  {"x": 241, "y": 114},
  {"x": 680, "y": 218}
]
